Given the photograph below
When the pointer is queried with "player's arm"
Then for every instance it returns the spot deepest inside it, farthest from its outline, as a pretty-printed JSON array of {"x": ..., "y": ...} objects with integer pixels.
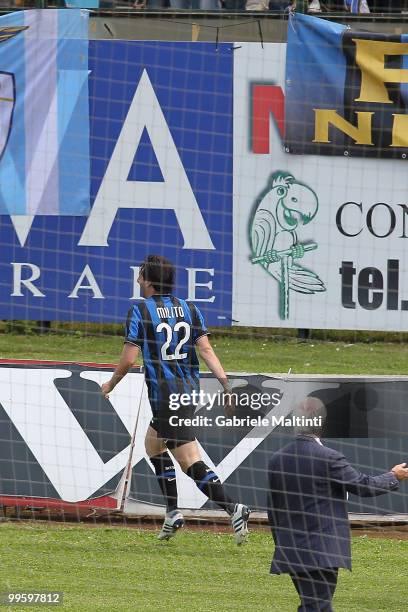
[
  {"x": 214, "y": 365},
  {"x": 126, "y": 361},
  {"x": 212, "y": 362}
]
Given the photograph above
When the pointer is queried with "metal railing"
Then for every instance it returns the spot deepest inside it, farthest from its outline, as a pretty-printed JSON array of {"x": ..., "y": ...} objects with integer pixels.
[{"x": 327, "y": 8}]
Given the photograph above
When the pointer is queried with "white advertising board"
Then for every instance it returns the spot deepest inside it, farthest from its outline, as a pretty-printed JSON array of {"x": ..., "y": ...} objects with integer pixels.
[{"x": 351, "y": 214}]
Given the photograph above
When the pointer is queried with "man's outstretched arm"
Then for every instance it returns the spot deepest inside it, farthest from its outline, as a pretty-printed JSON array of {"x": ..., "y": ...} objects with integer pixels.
[
  {"x": 126, "y": 361},
  {"x": 361, "y": 484}
]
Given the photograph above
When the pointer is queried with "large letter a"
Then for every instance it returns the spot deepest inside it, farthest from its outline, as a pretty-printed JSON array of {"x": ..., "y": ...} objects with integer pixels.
[{"x": 174, "y": 193}]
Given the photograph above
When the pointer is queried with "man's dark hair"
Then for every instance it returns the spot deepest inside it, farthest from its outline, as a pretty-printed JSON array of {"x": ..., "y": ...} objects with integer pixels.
[{"x": 159, "y": 271}]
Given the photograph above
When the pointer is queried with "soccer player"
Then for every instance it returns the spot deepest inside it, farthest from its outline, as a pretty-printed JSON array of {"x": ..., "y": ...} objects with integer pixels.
[{"x": 167, "y": 331}]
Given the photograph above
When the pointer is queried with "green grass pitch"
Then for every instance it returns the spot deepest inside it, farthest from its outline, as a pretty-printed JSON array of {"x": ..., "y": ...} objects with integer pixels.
[
  {"x": 237, "y": 354},
  {"x": 125, "y": 569}
]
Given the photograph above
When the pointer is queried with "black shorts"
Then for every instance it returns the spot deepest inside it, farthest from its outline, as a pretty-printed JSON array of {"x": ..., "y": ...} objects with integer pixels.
[{"x": 175, "y": 434}]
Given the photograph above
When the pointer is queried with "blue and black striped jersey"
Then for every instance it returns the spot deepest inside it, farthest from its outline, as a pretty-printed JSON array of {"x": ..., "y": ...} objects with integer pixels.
[{"x": 166, "y": 329}]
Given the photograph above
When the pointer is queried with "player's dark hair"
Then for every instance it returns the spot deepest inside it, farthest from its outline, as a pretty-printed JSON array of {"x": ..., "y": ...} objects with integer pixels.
[{"x": 160, "y": 272}]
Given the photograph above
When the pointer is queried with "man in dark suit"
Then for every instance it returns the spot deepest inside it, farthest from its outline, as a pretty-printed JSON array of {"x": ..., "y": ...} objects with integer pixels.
[{"x": 307, "y": 508}]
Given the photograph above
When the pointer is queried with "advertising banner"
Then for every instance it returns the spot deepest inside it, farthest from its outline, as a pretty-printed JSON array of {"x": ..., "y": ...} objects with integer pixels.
[
  {"x": 160, "y": 143},
  {"x": 44, "y": 126},
  {"x": 319, "y": 241},
  {"x": 186, "y": 158},
  {"x": 61, "y": 441},
  {"x": 347, "y": 91}
]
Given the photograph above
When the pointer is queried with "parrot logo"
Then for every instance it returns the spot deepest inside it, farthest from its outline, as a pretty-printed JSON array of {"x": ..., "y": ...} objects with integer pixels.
[{"x": 284, "y": 207}]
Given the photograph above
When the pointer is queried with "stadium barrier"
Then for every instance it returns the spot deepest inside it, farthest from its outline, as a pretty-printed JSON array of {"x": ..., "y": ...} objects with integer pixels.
[
  {"x": 181, "y": 152},
  {"x": 63, "y": 446}
]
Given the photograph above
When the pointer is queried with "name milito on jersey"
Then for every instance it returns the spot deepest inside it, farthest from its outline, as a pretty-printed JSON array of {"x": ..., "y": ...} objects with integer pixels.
[{"x": 174, "y": 311}]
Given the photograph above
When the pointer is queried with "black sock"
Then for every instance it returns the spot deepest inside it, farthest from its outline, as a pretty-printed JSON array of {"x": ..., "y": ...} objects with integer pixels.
[
  {"x": 209, "y": 483},
  {"x": 166, "y": 477}
]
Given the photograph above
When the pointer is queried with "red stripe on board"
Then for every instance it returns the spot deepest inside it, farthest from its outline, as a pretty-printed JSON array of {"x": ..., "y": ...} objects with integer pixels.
[
  {"x": 33, "y": 361},
  {"x": 50, "y": 362},
  {"x": 98, "y": 502}
]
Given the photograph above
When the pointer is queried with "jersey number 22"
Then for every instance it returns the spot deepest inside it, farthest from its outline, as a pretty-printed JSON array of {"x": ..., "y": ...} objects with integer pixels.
[{"x": 181, "y": 325}]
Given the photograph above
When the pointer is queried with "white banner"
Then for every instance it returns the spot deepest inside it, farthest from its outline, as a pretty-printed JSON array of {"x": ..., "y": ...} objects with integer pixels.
[{"x": 319, "y": 242}]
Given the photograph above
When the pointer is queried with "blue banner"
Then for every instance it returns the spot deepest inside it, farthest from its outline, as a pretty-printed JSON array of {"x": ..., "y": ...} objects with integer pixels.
[
  {"x": 346, "y": 91},
  {"x": 44, "y": 128},
  {"x": 161, "y": 166},
  {"x": 88, "y": 4}
]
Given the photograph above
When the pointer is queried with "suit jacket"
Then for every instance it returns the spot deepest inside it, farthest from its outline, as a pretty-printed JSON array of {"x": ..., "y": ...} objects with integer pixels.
[{"x": 307, "y": 505}]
